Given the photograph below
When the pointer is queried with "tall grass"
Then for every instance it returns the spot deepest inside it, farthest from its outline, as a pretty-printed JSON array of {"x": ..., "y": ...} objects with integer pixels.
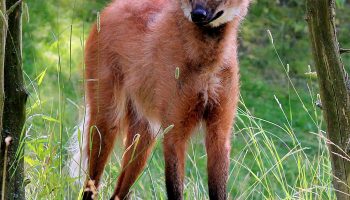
[{"x": 279, "y": 154}]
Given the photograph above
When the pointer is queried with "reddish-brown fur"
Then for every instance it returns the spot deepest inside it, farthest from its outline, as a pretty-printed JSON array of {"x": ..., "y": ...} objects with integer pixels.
[{"x": 131, "y": 59}]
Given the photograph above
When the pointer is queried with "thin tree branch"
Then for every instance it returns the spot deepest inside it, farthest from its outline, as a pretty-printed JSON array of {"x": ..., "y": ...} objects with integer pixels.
[
  {"x": 8, "y": 141},
  {"x": 13, "y": 7},
  {"x": 3, "y": 35},
  {"x": 341, "y": 50}
]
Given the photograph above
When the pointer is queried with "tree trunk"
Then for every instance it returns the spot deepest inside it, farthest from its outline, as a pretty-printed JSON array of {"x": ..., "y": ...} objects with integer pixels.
[
  {"x": 334, "y": 89},
  {"x": 14, "y": 107}
]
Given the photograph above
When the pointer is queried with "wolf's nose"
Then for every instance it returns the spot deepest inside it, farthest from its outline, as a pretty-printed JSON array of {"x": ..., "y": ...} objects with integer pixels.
[{"x": 199, "y": 15}]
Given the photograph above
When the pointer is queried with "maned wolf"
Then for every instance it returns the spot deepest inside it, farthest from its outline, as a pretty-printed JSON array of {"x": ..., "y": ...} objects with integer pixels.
[{"x": 132, "y": 55}]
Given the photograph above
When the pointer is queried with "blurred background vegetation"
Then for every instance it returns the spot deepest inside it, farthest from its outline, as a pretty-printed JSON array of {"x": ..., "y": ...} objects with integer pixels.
[{"x": 279, "y": 150}]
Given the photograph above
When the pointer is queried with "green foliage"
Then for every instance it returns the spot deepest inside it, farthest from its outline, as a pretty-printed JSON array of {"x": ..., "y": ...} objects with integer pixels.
[
  {"x": 279, "y": 148},
  {"x": 340, "y": 3}
]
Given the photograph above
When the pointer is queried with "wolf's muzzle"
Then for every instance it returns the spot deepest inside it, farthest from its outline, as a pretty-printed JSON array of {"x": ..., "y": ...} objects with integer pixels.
[{"x": 201, "y": 16}]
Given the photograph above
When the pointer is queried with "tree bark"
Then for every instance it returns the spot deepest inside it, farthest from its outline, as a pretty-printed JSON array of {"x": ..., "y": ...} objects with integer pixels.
[
  {"x": 14, "y": 107},
  {"x": 334, "y": 89}
]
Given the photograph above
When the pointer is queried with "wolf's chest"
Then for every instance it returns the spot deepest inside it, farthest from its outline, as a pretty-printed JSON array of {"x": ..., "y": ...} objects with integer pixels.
[
  {"x": 211, "y": 89},
  {"x": 201, "y": 95}
]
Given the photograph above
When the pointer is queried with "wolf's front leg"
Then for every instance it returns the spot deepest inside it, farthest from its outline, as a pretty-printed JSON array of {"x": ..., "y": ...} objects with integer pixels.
[
  {"x": 218, "y": 151},
  {"x": 219, "y": 123}
]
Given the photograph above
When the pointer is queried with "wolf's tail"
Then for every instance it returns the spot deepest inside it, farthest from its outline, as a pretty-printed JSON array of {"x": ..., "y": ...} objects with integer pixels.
[{"x": 78, "y": 154}]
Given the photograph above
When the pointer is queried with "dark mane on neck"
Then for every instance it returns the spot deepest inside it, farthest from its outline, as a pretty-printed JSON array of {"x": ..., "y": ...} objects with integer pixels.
[{"x": 213, "y": 32}]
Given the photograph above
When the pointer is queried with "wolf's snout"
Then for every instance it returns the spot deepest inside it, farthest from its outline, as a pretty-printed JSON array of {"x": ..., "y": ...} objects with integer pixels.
[{"x": 200, "y": 15}]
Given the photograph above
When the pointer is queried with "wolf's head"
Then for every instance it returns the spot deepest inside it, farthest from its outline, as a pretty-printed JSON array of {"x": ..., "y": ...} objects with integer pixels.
[{"x": 213, "y": 12}]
